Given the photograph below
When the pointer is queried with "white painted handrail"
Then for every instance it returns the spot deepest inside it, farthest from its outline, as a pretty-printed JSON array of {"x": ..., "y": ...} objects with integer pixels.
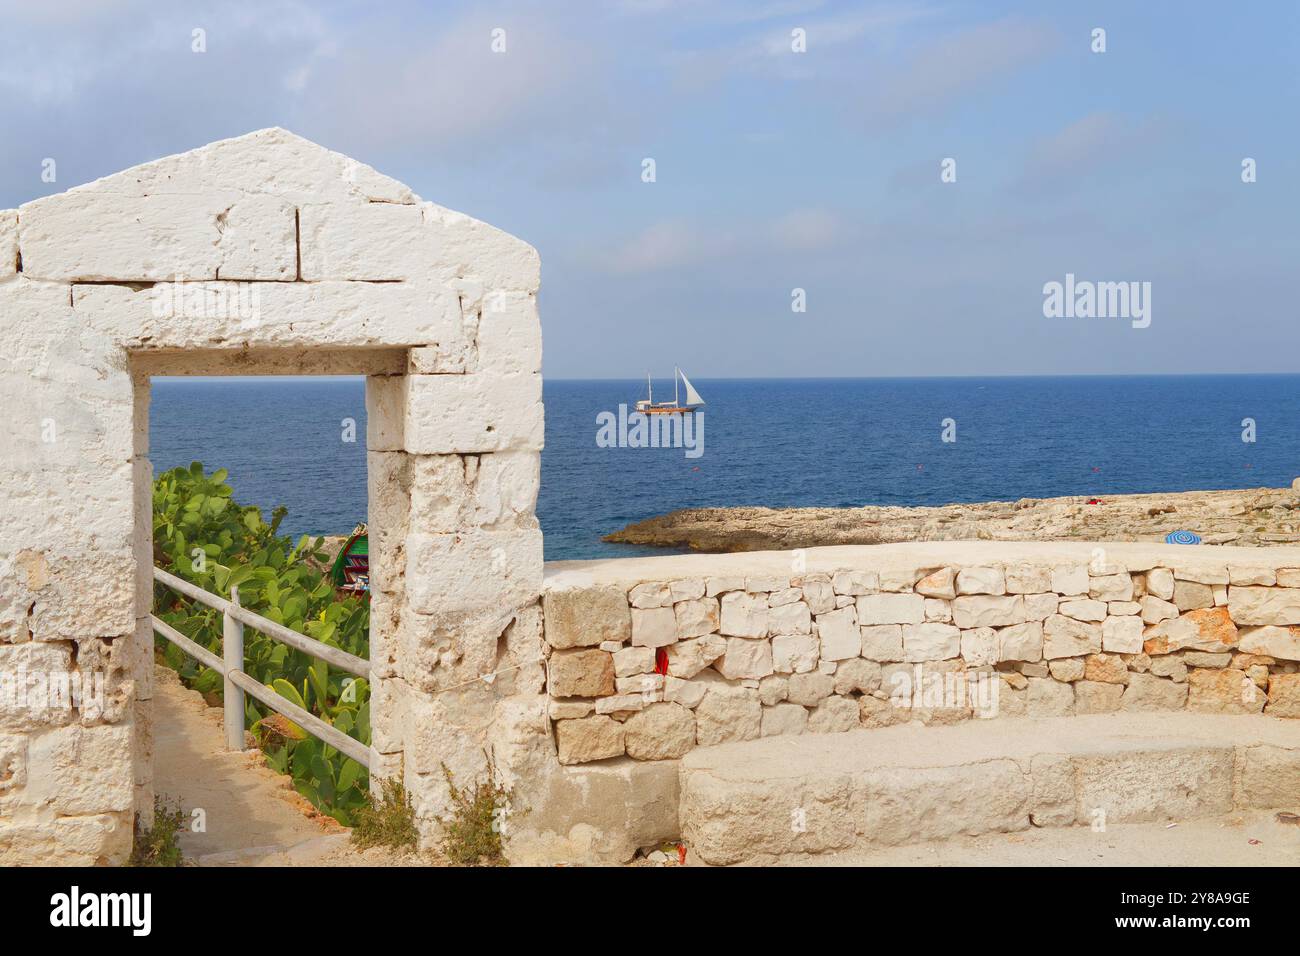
[{"x": 237, "y": 682}]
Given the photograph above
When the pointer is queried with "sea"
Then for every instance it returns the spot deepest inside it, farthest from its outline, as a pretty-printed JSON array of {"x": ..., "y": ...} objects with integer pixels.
[{"x": 772, "y": 442}]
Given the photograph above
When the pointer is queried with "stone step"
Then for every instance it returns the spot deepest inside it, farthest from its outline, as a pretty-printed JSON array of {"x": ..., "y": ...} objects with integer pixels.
[{"x": 782, "y": 799}]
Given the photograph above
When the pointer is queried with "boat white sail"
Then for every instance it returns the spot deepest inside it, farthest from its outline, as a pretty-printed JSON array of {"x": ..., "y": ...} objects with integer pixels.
[{"x": 692, "y": 396}]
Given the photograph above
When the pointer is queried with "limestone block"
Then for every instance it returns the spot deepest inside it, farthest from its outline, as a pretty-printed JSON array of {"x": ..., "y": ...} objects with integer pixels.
[
  {"x": 653, "y": 627},
  {"x": 833, "y": 715},
  {"x": 650, "y": 594},
  {"x": 1053, "y": 783},
  {"x": 986, "y": 580},
  {"x": 1093, "y": 697},
  {"x": 688, "y": 658},
  {"x": 75, "y": 771},
  {"x": 1021, "y": 642},
  {"x": 727, "y": 713},
  {"x": 745, "y": 657},
  {"x": 1066, "y": 637},
  {"x": 1147, "y": 692},
  {"x": 1111, "y": 587},
  {"x": 1259, "y": 605},
  {"x": 1121, "y": 635},
  {"x": 570, "y": 709},
  {"x": 697, "y": 617},
  {"x": 8, "y": 242},
  {"x": 787, "y": 719},
  {"x": 633, "y": 660},
  {"x": 451, "y": 492},
  {"x": 938, "y": 611},
  {"x": 1160, "y": 583},
  {"x": 1283, "y": 695},
  {"x": 663, "y": 731},
  {"x": 796, "y": 653},
  {"x": 1205, "y": 629},
  {"x": 88, "y": 235},
  {"x": 1189, "y": 596},
  {"x": 1028, "y": 579},
  {"x": 1124, "y": 608},
  {"x": 1269, "y": 778},
  {"x": 1105, "y": 669},
  {"x": 1039, "y": 607},
  {"x": 979, "y": 645},
  {"x": 685, "y": 692},
  {"x": 782, "y": 598},
  {"x": 68, "y": 841},
  {"x": 809, "y": 689},
  {"x": 471, "y": 248},
  {"x": 930, "y": 642},
  {"x": 1206, "y": 659},
  {"x": 588, "y": 738},
  {"x": 773, "y": 689},
  {"x": 686, "y": 589},
  {"x": 1083, "y": 610},
  {"x": 716, "y": 586},
  {"x": 789, "y": 619},
  {"x": 1068, "y": 669},
  {"x": 839, "y": 634},
  {"x": 744, "y": 615},
  {"x": 909, "y": 805},
  {"x": 624, "y": 704},
  {"x": 988, "y": 611},
  {"x": 1240, "y": 575},
  {"x": 856, "y": 582},
  {"x": 1155, "y": 610},
  {"x": 1171, "y": 667},
  {"x": 587, "y": 616},
  {"x": 1272, "y": 641},
  {"x": 1049, "y": 698},
  {"x": 386, "y": 415},
  {"x": 882, "y": 642},
  {"x": 762, "y": 584},
  {"x": 874, "y": 712},
  {"x": 581, "y": 673},
  {"x": 363, "y": 241},
  {"x": 938, "y": 584},
  {"x": 645, "y": 684},
  {"x": 898, "y": 578},
  {"x": 469, "y": 414},
  {"x": 1142, "y": 786},
  {"x": 1070, "y": 579},
  {"x": 26, "y": 670},
  {"x": 1288, "y": 577},
  {"x": 473, "y": 571},
  {"x": 857, "y": 676},
  {"x": 891, "y": 609},
  {"x": 819, "y": 595},
  {"x": 1203, "y": 575},
  {"x": 1227, "y": 691}
]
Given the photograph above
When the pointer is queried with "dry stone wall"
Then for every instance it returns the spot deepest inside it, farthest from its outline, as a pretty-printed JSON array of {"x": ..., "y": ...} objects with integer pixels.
[{"x": 651, "y": 668}]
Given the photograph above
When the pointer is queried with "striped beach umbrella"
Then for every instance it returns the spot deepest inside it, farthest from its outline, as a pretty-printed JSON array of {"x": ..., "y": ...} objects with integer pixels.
[{"x": 1182, "y": 537}]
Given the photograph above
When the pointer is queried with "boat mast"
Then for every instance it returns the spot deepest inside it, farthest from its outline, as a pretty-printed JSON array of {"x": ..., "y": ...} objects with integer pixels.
[
  {"x": 676, "y": 372},
  {"x": 649, "y": 389}
]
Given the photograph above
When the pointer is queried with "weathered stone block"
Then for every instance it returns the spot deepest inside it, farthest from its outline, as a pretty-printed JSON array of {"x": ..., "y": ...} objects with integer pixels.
[
  {"x": 588, "y": 738},
  {"x": 988, "y": 611},
  {"x": 663, "y": 731},
  {"x": 891, "y": 609},
  {"x": 1259, "y": 605},
  {"x": 744, "y": 615},
  {"x": 581, "y": 673},
  {"x": 653, "y": 627},
  {"x": 586, "y": 616}
]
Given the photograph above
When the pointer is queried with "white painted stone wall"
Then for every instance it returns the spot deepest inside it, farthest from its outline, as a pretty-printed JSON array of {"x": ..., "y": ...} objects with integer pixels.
[{"x": 346, "y": 271}]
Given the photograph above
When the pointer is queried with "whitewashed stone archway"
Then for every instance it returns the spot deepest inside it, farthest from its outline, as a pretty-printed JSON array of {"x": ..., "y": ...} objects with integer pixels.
[{"x": 331, "y": 268}]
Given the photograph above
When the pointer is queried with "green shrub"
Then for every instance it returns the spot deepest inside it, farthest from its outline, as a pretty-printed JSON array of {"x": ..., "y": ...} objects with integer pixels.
[
  {"x": 202, "y": 535},
  {"x": 388, "y": 821},
  {"x": 473, "y": 835},
  {"x": 157, "y": 846}
]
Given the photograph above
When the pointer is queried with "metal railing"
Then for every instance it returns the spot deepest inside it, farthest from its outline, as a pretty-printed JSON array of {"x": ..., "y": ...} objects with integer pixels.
[{"x": 230, "y": 665}]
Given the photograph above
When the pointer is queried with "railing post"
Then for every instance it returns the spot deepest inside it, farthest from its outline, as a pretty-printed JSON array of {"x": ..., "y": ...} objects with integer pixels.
[{"x": 232, "y": 653}]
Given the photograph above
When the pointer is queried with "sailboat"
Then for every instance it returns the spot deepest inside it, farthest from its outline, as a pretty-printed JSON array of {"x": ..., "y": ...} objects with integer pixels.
[{"x": 648, "y": 406}]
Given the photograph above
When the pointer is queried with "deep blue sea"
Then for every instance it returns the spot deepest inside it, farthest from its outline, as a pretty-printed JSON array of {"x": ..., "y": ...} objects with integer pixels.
[{"x": 786, "y": 442}]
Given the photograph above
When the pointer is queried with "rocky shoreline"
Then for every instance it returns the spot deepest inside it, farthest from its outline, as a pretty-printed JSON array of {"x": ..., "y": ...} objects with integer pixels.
[{"x": 1252, "y": 517}]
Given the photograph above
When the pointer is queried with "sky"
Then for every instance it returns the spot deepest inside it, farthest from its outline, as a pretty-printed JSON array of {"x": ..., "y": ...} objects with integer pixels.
[{"x": 775, "y": 169}]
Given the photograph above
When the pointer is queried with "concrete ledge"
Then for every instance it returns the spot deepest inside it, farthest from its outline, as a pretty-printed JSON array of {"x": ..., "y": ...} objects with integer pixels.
[{"x": 778, "y": 798}]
